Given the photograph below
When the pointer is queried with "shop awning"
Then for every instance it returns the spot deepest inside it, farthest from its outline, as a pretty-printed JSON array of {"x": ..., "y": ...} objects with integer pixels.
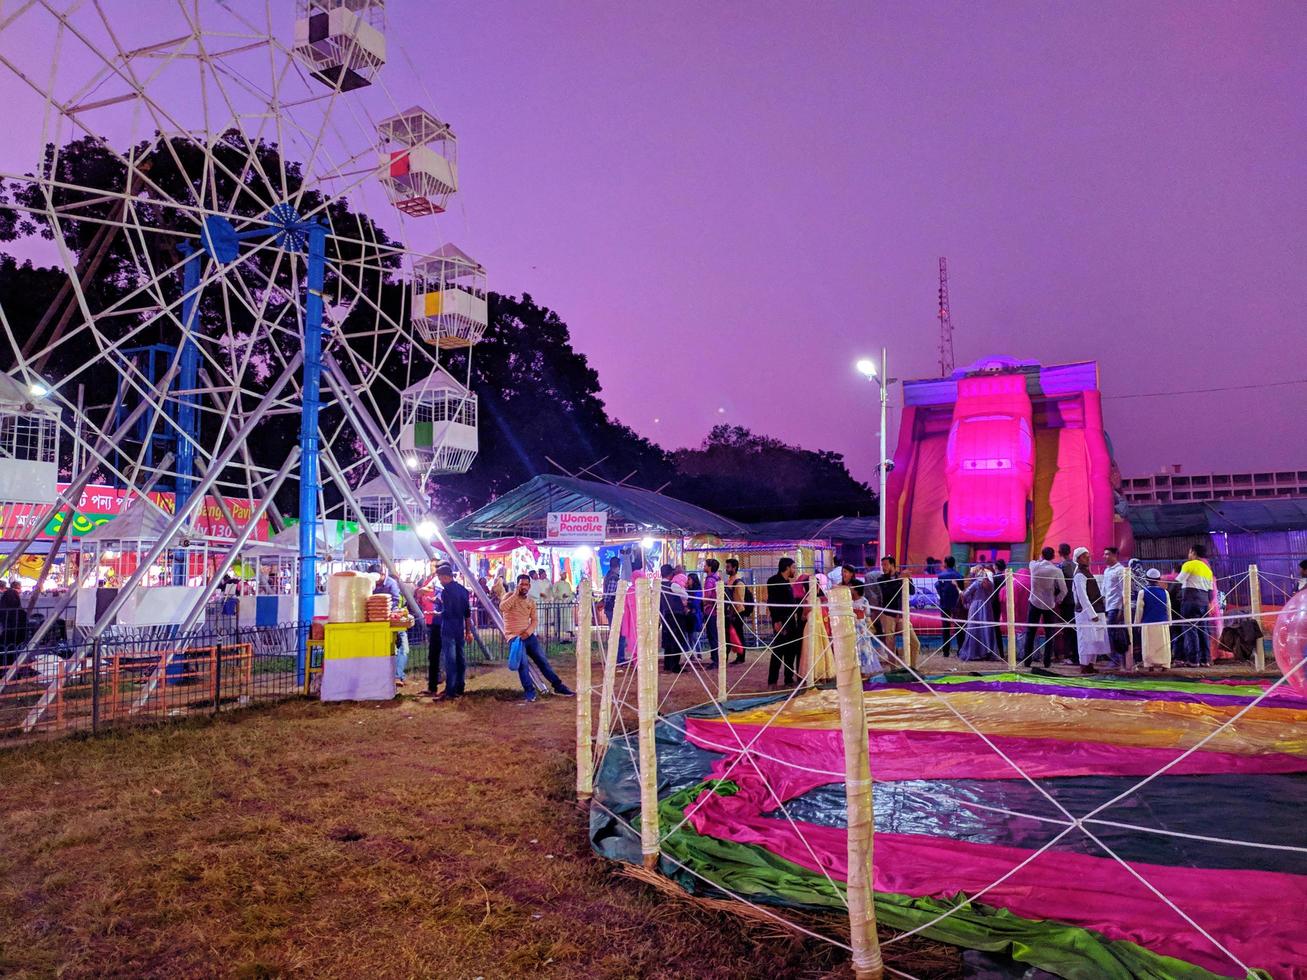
[{"x": 523, "y": 510}]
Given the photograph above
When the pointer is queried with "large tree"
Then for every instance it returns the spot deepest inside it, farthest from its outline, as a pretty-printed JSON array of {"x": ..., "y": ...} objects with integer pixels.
[
  {"x": 539, "y": 402},
  {"x": 752, "y": 477},
  {"x": 539, "y": 399}
]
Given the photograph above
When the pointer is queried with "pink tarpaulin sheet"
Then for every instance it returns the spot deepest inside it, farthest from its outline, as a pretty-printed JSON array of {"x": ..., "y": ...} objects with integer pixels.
[
  {"x": 1237, "y": 907},
  {"x": 898, "y": 755},
  {"x": 1096, "y": 893}
]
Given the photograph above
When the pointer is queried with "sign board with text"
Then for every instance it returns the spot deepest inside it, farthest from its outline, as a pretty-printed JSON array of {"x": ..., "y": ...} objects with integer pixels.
[{"x": 576, "y": 527}]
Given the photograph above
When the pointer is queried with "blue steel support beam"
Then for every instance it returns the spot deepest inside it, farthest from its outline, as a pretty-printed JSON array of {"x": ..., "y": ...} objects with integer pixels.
[
  {"x": 309, "y": 477},
  {"x": 188, "y": 379}
]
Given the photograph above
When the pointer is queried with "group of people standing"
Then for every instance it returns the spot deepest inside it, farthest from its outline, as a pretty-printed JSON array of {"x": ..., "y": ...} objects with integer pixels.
[
  {"x": 877, "y": 610},
  {"x": 1081, "y": 613},
  {"x": 688, "y": 611}
]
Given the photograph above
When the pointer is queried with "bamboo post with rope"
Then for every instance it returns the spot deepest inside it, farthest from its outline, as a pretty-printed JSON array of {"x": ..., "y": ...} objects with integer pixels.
[
  {"x": 584, "y": 719},
  {"x": 1010, "y": 611},
  {"x": 905, "y": 602},
  {"x": 1128, "y": 617},
  {"x": 719, "y": 594},
  {"x": 1255, "y": 607},
  {"x": 610, "y": 671},
  {"x": 646, "y": 616},
  {"x": 867, "y": 964}
]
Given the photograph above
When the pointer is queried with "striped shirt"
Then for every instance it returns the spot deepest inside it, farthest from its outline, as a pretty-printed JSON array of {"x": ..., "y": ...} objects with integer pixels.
[{"x": 519, "y": 613}]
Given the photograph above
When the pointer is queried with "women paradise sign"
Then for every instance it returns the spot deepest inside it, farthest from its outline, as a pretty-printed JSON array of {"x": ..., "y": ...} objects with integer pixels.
[{"x": 576, "y": 526}]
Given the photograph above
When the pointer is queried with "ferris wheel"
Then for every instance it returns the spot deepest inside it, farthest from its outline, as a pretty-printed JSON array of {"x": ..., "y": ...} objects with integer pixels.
[{"x": 228, "y": 193}]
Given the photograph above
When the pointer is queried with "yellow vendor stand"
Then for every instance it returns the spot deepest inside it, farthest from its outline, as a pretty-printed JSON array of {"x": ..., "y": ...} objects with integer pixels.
[{"x": 358, "y": 662}]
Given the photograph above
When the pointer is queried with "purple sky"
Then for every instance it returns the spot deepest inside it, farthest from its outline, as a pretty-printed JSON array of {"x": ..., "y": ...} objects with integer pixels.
[{"x": 730, "y": 203}]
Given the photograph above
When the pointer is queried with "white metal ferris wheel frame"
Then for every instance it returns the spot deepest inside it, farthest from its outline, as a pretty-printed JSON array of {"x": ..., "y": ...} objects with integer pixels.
[{"x": 278, "y": 313}]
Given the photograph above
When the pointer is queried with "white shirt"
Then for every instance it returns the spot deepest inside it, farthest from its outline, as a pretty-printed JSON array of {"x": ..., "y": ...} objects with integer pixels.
[{"x": 1114, "y": 586}]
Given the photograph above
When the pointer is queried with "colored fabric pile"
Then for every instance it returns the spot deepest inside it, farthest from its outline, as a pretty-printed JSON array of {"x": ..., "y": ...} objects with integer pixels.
[{"x": 981, "y": 784}]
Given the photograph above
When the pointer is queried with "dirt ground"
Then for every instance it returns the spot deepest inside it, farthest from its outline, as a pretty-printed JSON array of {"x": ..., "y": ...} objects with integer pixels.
[{"x": 396, "y": 840}]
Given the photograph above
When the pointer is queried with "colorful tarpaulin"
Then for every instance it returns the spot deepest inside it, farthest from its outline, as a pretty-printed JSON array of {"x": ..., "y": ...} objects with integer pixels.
[{"x": 983, "y": 787}]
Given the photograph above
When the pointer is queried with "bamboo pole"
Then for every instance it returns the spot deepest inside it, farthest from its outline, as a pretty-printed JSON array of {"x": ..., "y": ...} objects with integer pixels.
[
  {"x": 584, "y": 719},
  {"x": 719, "y": 595},
  {"x": 905, "y": 600},
  {"x": 867, "y": 963},
  {"x": 1127, "y": 617},
  {"x": 1010, "y": 611},
  {"x": 610, "y": 672},
  {"x": 647, "y": 613},
  {"x": 1255, "y": 607}
]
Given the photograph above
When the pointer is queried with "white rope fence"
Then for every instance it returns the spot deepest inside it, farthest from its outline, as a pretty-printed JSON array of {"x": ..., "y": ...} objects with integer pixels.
[{"x": 658, "y": 635}]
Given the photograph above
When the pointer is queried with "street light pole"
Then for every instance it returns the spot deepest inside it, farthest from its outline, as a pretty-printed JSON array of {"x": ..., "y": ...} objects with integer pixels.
[
  {"x": 883, "y": 380},
  {"x": 867, "y": 367}
]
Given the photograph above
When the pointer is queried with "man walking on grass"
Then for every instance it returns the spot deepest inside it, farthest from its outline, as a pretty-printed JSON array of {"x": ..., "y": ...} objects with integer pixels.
[{"x": 520, "y": 623}]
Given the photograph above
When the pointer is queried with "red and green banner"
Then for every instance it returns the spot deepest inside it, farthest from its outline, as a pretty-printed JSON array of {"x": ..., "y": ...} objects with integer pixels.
[{"x": 99, "y": 505}]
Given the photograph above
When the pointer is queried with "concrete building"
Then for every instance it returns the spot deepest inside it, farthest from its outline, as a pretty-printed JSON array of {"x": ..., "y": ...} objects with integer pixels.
[{"x": 1173, "y": 486}]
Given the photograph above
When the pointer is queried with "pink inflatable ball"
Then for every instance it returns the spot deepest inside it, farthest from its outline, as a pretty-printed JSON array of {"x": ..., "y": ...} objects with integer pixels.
[{"x": 1290, "y": 639}]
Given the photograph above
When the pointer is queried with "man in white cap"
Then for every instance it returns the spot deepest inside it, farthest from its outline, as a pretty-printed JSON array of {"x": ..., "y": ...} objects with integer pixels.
[{"x": 1091, "y": 615}]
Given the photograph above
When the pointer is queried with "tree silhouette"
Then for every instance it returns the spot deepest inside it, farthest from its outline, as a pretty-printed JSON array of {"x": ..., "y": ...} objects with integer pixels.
[{"x": 757, "y": 478}]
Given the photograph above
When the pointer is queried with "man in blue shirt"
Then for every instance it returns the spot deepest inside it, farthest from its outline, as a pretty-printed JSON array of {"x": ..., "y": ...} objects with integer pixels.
[
  {"x": 455, "y": 613},
  {"x": 950, "y": 600}
]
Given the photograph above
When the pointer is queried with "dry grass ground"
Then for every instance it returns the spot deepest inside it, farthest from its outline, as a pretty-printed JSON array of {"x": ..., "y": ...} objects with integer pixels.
[{"x": 394, "y": 840}]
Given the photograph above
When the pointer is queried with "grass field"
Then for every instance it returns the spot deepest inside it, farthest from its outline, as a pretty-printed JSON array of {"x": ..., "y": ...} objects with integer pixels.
[{"x": 393, "y": 840}]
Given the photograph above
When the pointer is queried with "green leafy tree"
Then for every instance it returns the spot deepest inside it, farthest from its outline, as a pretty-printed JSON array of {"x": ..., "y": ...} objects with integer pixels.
[
  {"x": 539, "y": 401},
  {"x": 757, "y": 478}
]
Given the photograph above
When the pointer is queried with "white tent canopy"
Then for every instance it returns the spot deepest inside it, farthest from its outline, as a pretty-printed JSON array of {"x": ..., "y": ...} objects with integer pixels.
[
  {"x": 400, "y": 545},
  {"x": 286, "y": 544},
  {"x": 140, "y": 522}
]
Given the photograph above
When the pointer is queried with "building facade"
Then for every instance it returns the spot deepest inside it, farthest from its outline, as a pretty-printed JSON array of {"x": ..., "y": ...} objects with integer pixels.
[{"x": 1176, "y": 487}]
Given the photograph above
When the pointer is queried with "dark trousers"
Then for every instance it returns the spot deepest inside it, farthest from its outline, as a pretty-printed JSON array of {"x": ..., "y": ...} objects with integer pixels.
[
  {"x": 787, "y": 645},
  {"x": 1052, "y": 622},
  {"x": 671, "y": 649},
  {"x": 433, "y": 656},
  {"x": 953, "y": 629},
  {"x": 451, "y": 652},
  {"x": 1118, "y": 637},
  {"x": 531, "y": 647},
  {"x": 1066, "y": 639},
  {"x": 1194, "y": 646},
  {"x": 710, "y": 630}
]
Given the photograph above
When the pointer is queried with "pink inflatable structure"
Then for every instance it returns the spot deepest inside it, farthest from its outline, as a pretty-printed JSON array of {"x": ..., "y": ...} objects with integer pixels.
[
  {"x": 1290, "y": 641},
  {"x": 1000, "y": 460}
]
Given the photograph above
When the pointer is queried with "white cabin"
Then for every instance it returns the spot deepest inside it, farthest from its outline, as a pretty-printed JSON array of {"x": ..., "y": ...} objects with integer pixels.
[
  {"x": 419, "y": 161},
  {"x": 342, "y": 42},
  {"x": 449, "y": 298},
  {"x": 29, "y": 444},
  {"x": 438, "y": 425}
]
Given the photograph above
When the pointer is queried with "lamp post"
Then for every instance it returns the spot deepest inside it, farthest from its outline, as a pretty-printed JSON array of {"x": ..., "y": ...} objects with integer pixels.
[{"x": 867, "y": 367}]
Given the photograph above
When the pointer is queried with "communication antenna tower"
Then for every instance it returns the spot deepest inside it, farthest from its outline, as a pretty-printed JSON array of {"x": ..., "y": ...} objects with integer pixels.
[{"x": 945, "y": 323}]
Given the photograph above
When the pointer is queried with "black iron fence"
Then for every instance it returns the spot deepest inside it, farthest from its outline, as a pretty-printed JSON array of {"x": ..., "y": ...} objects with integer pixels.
[
  {"x": 133, "y": 676},
  {"x": 146, "y": 675}
]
